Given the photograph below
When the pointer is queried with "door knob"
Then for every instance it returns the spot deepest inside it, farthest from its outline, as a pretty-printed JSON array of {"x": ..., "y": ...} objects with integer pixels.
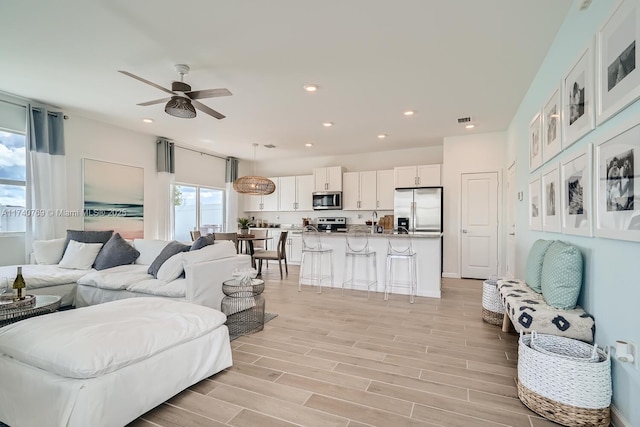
[{"x": 464, "y": 231}]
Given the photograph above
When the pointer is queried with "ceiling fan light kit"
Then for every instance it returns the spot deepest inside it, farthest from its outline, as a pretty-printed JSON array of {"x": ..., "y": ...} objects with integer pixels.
[{"x": 180, "y": 107}]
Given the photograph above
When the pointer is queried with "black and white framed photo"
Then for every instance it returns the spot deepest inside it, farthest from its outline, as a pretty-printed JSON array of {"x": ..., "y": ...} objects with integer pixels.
[
  {"x": 550, "y": 209},
  {"x": 616, "y": 159},
  {"x": 535, "y": 142},
  {"x": 575, "y": 192},
  {"x": 578, "y": 98},
  {"x": 551, "y": 127},
  {"x": 535, "y": 218},
  {"x": 618, "y": 74}
]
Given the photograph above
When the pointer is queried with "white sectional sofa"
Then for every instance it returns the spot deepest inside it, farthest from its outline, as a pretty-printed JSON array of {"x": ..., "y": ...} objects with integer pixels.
[{"x": 195, "y": 275}]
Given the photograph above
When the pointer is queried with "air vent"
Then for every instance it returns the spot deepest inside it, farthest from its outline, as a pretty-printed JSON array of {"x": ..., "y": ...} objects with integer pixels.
[
  {"x": 464, "y": 119},
  {"x": 269, "y": 146}
]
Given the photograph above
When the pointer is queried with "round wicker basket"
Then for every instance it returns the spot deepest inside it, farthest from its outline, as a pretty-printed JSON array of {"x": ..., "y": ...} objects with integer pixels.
[
  {"x": 562, "y": 382},
  {"x": 492, "y": 308}
]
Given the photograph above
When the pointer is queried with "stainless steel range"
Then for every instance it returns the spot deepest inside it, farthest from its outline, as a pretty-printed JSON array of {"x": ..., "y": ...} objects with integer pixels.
[{"x": 332, "y": 223}]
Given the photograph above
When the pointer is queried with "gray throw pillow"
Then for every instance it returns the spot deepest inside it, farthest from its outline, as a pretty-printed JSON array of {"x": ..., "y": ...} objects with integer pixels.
[
  {"x": 170, "y": 250},
  {"x": 88, "y": 237},
  {"x": 202, "y": 241},
  {"x": 115, "y": 252}
]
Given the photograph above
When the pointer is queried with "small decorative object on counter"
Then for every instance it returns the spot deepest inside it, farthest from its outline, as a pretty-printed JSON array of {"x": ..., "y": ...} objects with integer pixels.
[
  {"x": 492, "y": 308},
  {"x": 19, "y": 284}
]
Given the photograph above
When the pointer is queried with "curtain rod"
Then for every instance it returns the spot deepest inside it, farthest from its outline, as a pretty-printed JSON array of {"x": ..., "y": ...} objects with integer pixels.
[
  {"x": 201, "y": 152},
  {"x": 50, "y": 113}
]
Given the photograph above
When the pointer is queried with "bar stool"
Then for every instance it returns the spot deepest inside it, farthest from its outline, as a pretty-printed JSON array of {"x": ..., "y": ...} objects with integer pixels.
[
  {"x": 313, "y": 252},
  {"x": 358, "y": 248},
  {"x": 400, "y": 249}
]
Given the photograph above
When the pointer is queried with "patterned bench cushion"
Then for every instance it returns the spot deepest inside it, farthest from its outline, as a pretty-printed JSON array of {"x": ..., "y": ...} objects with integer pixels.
[{"x": 529, "y": 312}]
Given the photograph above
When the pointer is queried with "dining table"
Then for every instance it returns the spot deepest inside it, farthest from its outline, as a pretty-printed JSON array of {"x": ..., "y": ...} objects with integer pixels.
[{"x": 245, "y": 244}]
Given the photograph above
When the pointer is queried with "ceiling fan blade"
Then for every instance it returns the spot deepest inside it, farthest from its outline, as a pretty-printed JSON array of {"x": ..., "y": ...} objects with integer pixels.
[
  {"x": 200, "y": 106},
  {"x": 126, "y": 73},
  {"x": 157, "y": 101},
  {"x": 208, "y": 93}
]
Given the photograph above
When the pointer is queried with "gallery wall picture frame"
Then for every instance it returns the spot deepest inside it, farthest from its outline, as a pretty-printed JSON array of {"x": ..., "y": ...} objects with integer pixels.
[
  {"x": 535, "y": 215},
  {"x": 578, "y": 97},
  {"x": 535, "y": 142},
  {"x": 552, "y": 126},
  {"x": 550, "y": 197},
  {"x": 617, "y": 198},
  {"x": 113, "y": 198},
  {"x": 617, "y": 67},
  {"x": 576, "y": 192}
]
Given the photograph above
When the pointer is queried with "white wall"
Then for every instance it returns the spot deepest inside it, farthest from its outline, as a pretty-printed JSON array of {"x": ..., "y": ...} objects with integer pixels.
[
  {"x": 467, "y": 154},
  {"x": 611, "y": 290}
]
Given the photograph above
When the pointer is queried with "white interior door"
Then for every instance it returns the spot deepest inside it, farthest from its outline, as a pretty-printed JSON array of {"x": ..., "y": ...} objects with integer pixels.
[
  {"x": 511, "y": 222},
  {"x": 479, "y": 242}
]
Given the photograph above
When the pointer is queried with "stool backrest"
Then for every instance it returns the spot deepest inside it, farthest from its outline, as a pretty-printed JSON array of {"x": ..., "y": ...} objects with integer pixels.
[
  {"x": 311, "y": 239},
  {"x": 399, "y": 243},
  {"x": 357, "y": 242}
]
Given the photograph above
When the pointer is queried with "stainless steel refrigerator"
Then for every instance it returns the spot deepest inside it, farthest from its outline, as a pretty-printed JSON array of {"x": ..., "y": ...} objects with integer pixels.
[{"x": 419, "y": 208}]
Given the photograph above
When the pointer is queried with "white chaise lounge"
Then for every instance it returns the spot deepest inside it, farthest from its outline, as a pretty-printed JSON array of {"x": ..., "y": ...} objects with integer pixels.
[{"x": 107, "y": 364}]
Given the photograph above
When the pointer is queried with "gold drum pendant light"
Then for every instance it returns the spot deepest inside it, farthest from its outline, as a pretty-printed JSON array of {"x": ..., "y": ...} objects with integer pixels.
[{"x": 254, "y": 185}]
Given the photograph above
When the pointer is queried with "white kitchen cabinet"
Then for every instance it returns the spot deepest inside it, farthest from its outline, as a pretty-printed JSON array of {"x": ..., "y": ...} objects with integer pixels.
[
  {"x": 359, "y": 190},
  {"x": 268, "y": 203},
  {"x": 417, "y": 176},
  {"x": 385, "y": 189},
  {"x": 328, "y": 179},
  {"x": 294, "y": 247},
  {"x": 295, "y": 193}
]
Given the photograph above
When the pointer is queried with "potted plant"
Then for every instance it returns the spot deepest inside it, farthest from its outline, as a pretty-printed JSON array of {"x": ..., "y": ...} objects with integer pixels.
[{"x": 243, "y": 224}]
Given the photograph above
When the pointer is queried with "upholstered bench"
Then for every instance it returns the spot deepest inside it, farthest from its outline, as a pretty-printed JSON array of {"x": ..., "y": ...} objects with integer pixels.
[
  {"x": 107, "y": 364},
  {"x": 545, "y": 301}
]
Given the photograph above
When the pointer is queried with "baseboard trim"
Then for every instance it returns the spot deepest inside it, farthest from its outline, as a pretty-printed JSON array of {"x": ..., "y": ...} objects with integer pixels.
[
  {"x": 451, "y": 275},
  {"x": 617, "y": 420}
]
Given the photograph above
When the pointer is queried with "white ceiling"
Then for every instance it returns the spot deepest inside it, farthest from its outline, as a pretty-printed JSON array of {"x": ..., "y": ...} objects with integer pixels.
[{"x": 372, "y": 59}]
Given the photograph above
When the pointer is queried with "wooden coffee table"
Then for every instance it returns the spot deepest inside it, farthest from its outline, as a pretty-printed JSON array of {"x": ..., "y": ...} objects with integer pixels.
[{"x": 44, "y": 304}]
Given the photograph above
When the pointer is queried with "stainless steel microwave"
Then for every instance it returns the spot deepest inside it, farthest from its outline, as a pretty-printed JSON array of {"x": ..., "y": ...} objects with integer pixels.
[{"x": 325, "y": 200}]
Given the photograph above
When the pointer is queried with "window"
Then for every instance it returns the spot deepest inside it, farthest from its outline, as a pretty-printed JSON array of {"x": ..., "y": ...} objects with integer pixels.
[
  {"x": 13, "y": 173},
  {"x": 197, "y": 208}
]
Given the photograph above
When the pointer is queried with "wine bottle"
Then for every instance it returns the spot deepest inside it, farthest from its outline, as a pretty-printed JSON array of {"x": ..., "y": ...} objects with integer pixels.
[{"x": 19, "y": 284}]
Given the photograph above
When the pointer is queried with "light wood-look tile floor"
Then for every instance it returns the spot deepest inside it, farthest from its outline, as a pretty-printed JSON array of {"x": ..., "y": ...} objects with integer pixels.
[{"x": 333, "y": 360}]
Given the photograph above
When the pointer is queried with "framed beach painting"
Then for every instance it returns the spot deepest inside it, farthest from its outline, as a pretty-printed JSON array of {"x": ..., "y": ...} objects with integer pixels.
[
  {"x": 550, "y": 197},
  {"x": 535, "y": 146},
  {"x": 535, "y": 219},
  {"x": 551, "y": 127},
  {"x": 113, "y": 198},
  {"x": 575, "y": 194},
  {"x": 618, "y": 71},
  {"x": 578, "y": 98},
  {"x": 616, "y": 158}
]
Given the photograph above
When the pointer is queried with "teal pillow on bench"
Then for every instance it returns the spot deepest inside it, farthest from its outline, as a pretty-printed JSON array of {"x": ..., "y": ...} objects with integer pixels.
[
  {"x": 562, "y": 275},
  {"x": 533, "y": 271}
]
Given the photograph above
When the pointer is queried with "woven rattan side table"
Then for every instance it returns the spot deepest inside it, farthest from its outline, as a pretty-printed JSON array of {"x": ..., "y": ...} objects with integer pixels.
[
  {"x": 44, "y": 304},
  {"x": 244, "y": 306}
]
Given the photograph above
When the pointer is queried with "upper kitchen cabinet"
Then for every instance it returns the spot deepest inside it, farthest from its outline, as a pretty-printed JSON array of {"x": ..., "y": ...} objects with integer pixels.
[
  {"x": 295, "y": 193},
  {"x": 328, "y": 179},
  {"x": 417, "y": 176},
  {"x": 385, "y": 189},
  {"x": 359, "y": 191},
  {"x": 268, "y": 203}
]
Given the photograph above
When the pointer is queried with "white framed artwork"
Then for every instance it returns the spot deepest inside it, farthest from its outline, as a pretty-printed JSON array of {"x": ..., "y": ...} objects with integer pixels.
[
  {"x": 551, "y": 126},
  {"x": 535, "y": 144},
  {"x": 535, "y": 218},
  {"x": 617, "y": 68},
  {"x": 550, "y": 209},
  {"x": 575, "y": 192},
  {"x": 578, "y": 96}
]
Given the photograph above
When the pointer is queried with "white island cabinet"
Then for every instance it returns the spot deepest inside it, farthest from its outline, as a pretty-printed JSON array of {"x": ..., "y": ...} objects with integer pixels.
[{"x": 426, "y": 246}]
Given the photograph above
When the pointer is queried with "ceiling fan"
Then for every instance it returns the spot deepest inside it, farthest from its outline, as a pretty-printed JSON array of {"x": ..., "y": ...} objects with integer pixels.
[{"x": 183, "y": 99}]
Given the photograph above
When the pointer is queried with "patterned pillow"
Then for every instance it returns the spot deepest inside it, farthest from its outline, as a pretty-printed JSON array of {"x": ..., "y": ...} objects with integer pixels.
[
  {"x": 533, "y": 270},
  {"x": 562, "y": 275}
]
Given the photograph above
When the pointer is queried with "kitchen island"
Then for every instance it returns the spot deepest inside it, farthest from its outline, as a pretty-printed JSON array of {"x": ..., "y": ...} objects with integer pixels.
[{"x": 425, "y": 245}]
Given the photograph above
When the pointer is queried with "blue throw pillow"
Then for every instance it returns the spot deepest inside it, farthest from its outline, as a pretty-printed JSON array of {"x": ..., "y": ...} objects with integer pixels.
[
  {"x": 533, "y": 270},
  {"x": 170, "y": 250},
  {"x": 562, "y": 275}
]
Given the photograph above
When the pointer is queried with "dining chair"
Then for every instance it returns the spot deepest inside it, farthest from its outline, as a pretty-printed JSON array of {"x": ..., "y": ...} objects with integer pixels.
[
  {"x": 279, "y": 254},
  {"x": 227, "y": 236},
  {"x": 195, "y": 234}
]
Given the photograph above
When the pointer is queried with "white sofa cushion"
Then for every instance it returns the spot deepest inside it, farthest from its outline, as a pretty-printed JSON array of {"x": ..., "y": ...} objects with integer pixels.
[
  {"x": 222, "y": 249},
  {"x": 80, "y": 255},
  {"x": 42, "y": 276},
  {"x": 149, "y": 249},
  {"x": 173, "y": 289},
  {"x": 48, "y": 251},
  {"x": 116, "y": 277}
]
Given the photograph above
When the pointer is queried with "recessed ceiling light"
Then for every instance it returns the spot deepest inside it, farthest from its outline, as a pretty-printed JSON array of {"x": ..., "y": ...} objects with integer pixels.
[
  {"x": 470, "y": 126},
  {"x": 147, "y": 120},
  {"x": 382, "y": 136},
  {"x": 308, "y": 144},
  {"x": 327, "y": 124},
  {"x": 409, "y": 113},
  {"x": 310, "y": 88}
]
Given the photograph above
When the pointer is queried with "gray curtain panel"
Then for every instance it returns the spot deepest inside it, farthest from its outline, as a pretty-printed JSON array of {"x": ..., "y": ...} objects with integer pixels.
[
  {"x": 232, "y": 169},
  {"x": 46, "y": 131},
  {"x": 166, "y": 156}
]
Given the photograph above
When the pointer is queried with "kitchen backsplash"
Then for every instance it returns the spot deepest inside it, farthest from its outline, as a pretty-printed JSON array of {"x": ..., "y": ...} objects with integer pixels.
[{"x": 295, "y": 218}]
